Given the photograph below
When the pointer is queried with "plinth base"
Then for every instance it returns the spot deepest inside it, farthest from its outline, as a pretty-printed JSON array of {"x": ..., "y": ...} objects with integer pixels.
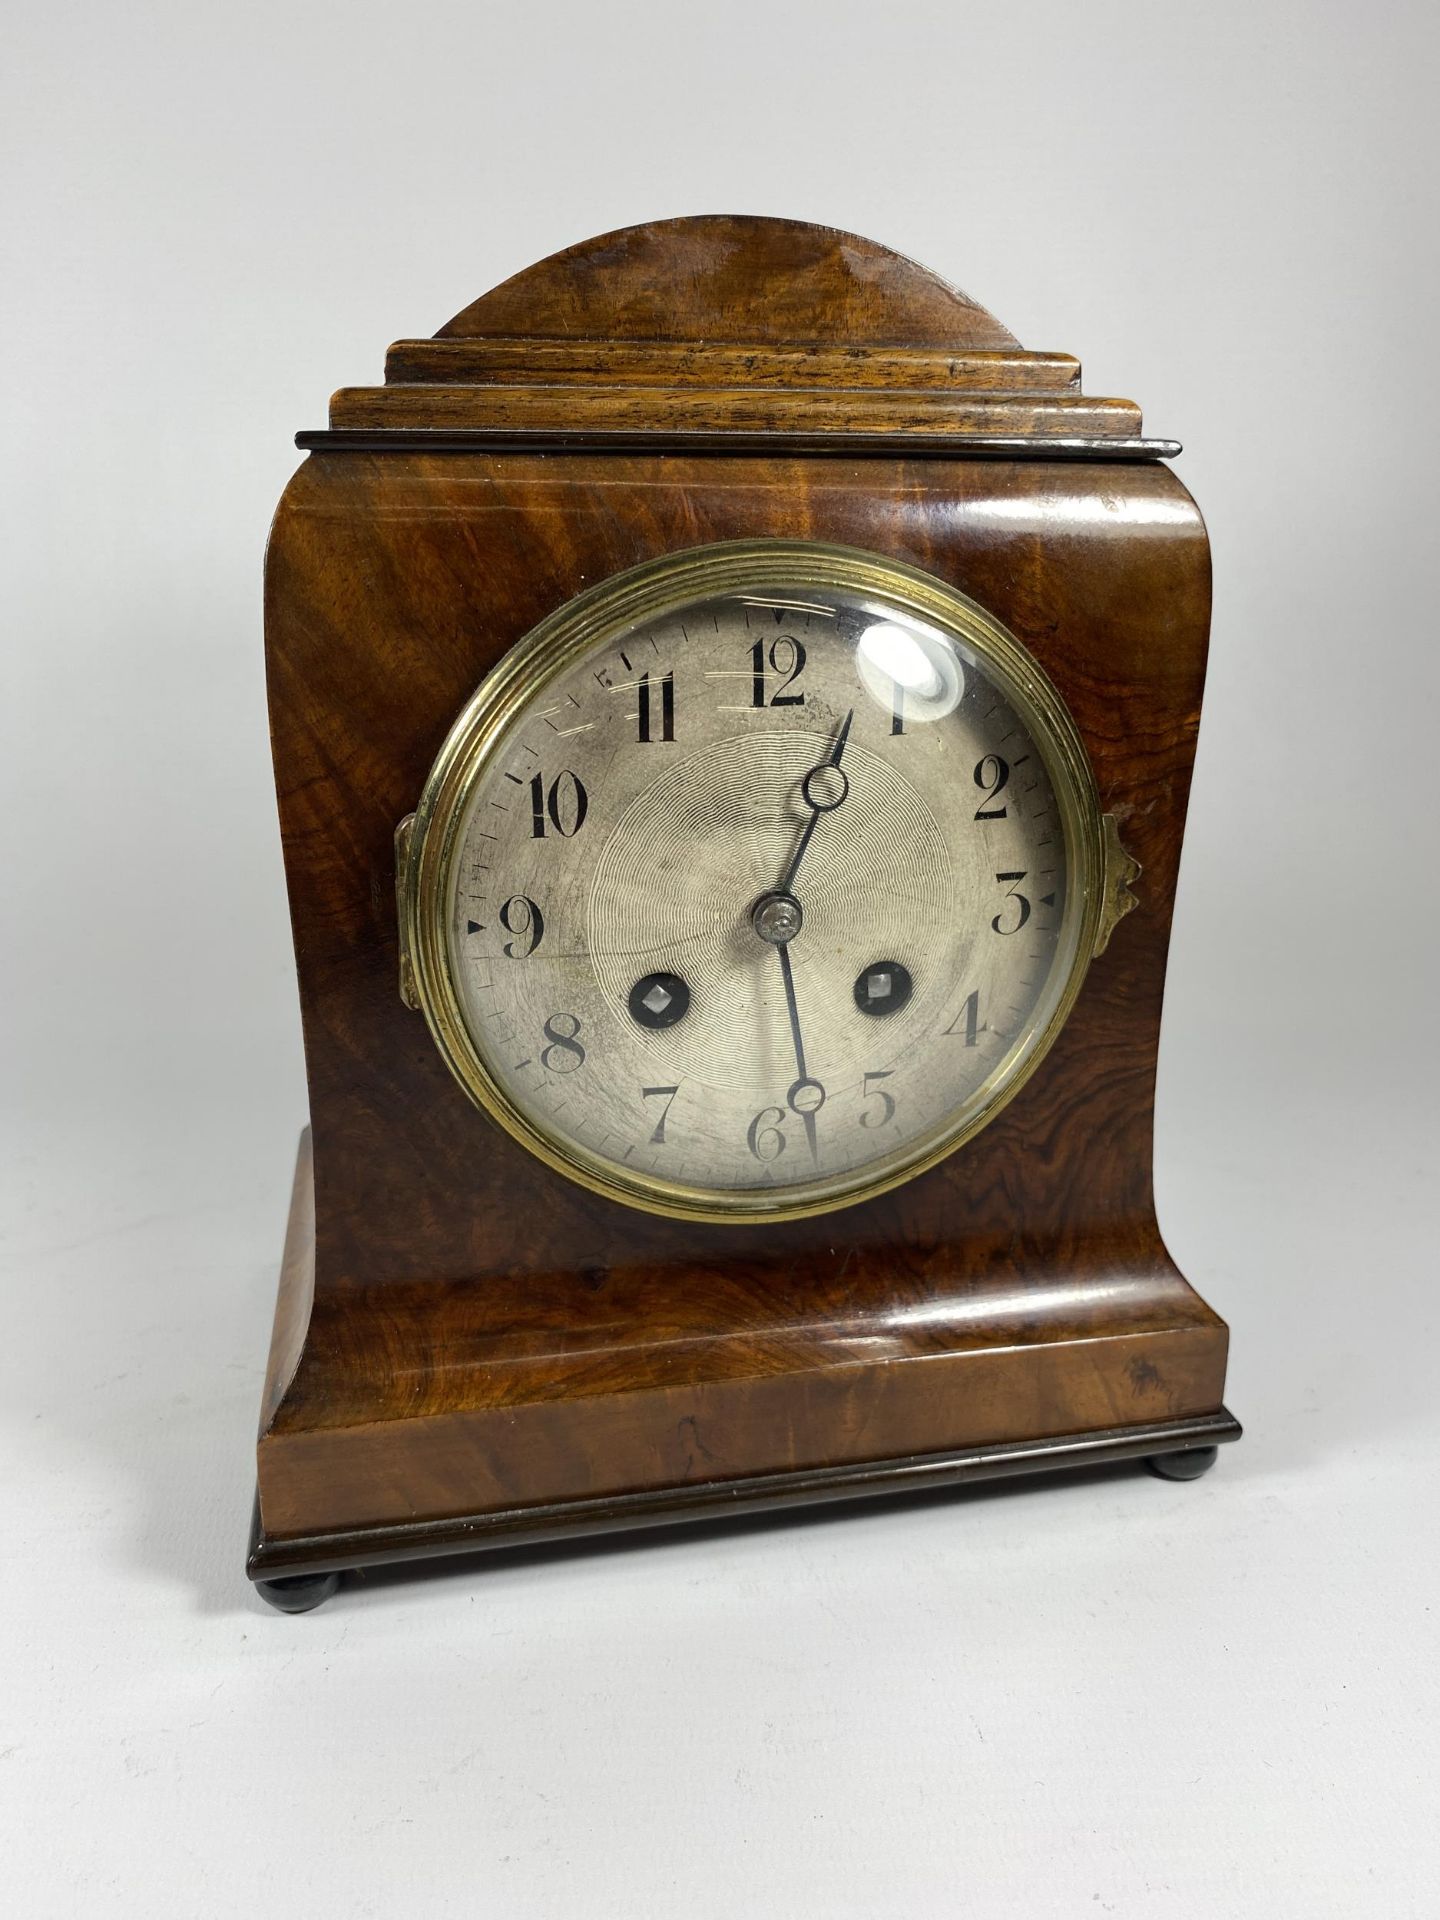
[
  {"x": 307, "y": 1559},
  {"x": 346, "y": 1480}
]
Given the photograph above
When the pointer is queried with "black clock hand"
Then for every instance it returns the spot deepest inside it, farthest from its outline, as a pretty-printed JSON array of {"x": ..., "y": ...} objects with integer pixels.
[
  {"x": 777, "y": 918},
  {"x": 817, "y": 807},
  {"x": 786, "y": 970},
  {"x": 807, "y": 1096}
]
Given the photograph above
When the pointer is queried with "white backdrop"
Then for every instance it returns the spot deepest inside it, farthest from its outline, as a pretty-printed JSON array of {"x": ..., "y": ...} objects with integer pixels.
[{"x": 1109, "y": 1695}]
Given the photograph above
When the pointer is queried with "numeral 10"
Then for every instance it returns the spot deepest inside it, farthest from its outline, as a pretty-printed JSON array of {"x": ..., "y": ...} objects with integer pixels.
[{"x": 562, "y": 806}]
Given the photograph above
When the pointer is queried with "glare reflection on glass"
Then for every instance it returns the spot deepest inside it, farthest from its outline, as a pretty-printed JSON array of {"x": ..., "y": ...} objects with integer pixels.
[{"x": 910, "y": 670}]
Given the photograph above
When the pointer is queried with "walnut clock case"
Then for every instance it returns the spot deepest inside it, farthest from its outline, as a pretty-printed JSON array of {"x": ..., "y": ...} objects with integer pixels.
[{"x": 733, "y": 715}]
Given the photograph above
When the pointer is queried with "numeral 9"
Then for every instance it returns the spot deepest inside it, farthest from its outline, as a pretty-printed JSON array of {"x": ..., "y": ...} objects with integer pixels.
[{"x": 521, "y": 916}]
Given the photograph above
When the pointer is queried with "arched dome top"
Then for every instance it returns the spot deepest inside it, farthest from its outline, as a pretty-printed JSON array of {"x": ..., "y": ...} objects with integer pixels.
[{"x": 732, "y": 277}]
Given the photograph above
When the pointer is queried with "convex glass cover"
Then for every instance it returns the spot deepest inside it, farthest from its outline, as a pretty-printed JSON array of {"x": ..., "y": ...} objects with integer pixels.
[{"x": 754, "y": 880}]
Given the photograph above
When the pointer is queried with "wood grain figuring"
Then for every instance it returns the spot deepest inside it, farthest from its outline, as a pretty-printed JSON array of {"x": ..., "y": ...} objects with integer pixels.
[
  {"x": 478, "y": 1332},
  {"x": 274, "y": 1555},
  {"x": 766, "y": 409},
  {"x": 729, "y": 326},
  {"x": 720, "y": 1409},
  {"x": 730, "y": 277},
  {"x": 685, "y": 363}
]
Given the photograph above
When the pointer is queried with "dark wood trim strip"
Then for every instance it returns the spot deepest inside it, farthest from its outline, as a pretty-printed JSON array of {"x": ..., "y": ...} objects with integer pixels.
[{"x": 910, "y": 446}]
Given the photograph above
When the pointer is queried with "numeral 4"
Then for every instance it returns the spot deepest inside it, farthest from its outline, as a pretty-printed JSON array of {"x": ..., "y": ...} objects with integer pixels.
[{"x": 969, "y": 1014}]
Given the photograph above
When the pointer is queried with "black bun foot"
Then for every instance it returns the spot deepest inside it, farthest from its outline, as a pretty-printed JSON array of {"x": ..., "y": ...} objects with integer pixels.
[
  {"x": 299, "y": 1592},
  {"x": 1186, "y": 1463}
]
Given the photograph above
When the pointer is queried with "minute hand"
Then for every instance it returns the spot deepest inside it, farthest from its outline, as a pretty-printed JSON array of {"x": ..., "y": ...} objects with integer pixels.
[
  {"x": 817, "y": 807},
  {"x": 804, "y": 1084}
]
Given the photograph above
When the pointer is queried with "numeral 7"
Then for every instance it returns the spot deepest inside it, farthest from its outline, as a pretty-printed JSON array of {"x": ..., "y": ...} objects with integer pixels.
[{"x": 657, "y": 1138}]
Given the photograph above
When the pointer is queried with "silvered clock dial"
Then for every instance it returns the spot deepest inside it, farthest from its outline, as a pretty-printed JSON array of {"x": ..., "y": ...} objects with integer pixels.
[{"x": 755, "y": 880}]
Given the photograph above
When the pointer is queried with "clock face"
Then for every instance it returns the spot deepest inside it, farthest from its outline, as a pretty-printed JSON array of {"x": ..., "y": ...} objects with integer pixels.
[{"x": 755, "y": 880}]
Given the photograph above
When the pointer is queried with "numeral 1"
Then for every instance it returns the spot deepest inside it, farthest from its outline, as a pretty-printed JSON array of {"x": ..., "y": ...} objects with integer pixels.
[{"x": 667, "y": 709}]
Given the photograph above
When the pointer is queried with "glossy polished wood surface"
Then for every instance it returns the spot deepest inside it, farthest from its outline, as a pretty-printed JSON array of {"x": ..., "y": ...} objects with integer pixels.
[
  {"x": 881, "y": 410},
  {"x": 733, "y": 277},
  {"x": 686, "y": 323},
  {"x": 467, "y": 1331},
  {"x": 498, "y": 360}
]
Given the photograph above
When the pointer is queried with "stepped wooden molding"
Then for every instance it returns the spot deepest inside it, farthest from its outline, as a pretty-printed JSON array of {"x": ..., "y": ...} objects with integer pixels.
[
  {"x": 726, "y": 326},
  {"x": 523, "y": 360},
  {"x": 614, "y": 409}
]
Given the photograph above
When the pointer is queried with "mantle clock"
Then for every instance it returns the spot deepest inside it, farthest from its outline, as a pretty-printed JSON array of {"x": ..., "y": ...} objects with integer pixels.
[{"x": 733, "y": 716}]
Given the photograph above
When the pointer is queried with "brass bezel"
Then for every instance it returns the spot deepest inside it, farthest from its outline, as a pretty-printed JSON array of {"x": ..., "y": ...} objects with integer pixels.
[{"x": 426, "y": 841}]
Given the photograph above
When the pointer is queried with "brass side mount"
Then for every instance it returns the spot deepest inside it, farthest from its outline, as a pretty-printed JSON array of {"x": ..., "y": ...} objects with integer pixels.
[
  {"x": 1116, "y": 899},
  {"x": 409, "y": 993}
]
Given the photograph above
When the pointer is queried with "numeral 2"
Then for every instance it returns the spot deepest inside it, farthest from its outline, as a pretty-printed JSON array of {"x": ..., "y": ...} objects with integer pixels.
[{"x": 991, "y": 773}]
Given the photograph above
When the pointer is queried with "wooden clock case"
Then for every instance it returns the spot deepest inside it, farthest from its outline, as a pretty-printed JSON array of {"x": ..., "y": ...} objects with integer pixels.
[{"x": 469, "y": 1350}]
